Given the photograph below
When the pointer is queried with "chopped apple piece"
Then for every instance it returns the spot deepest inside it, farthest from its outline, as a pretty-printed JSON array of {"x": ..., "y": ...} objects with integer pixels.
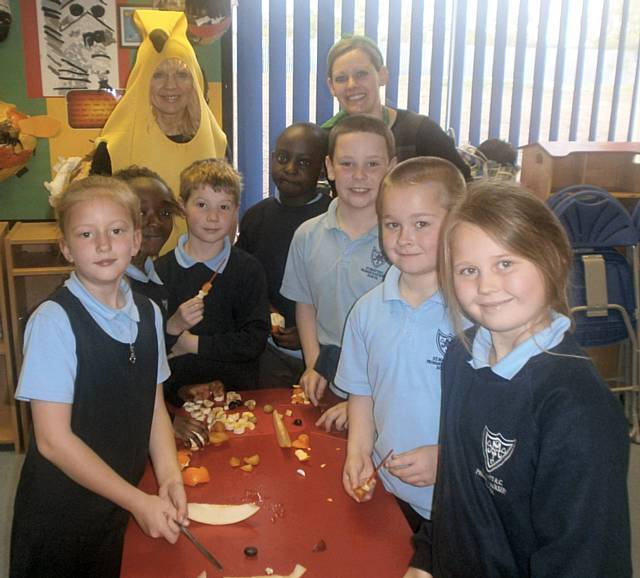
[
  {"x": 234, "y": 462},
  {"x": 217, "y": 438},
  {"x": 301, "y": 455},
  {"x": 254, "y": 460}
]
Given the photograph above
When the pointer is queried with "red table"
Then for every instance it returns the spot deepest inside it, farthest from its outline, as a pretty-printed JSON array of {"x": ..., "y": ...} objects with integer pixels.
[{"x": 370, "y": 539}]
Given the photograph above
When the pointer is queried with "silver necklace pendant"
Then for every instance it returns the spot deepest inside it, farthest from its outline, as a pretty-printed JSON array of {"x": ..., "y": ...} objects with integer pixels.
[{"x": 132, "y": 353}]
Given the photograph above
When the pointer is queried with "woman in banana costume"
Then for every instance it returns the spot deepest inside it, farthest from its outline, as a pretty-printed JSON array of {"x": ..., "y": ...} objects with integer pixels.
[{"x": 163, "y": 121}]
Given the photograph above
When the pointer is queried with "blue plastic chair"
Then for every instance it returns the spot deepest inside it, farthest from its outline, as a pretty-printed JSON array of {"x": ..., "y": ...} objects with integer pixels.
[
  {"x": 604, "y": 286},
  {"x": 597, "y": 223},
  {"x": 562, "y": 194}
]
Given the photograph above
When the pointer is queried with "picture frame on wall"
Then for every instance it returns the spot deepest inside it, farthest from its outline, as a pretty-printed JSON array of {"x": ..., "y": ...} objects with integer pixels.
[{"x": 129, "y": 34}]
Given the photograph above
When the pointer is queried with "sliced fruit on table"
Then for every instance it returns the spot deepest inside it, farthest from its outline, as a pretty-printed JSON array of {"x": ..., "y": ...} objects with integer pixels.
[
  {"x": 195, "y": 476},
  {"x": 220, "y": 514}
]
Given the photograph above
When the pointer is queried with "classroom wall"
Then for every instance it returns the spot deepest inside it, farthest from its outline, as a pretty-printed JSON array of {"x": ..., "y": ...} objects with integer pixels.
[{"x": 25, "y": 198}]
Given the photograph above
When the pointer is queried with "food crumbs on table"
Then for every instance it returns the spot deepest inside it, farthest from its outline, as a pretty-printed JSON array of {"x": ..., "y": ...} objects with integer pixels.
[
  {"x": 329, "y": 499},
  {"x": 322, "y": 466},
  {"x": 268, "y": 571},
  {"x": 250, "y": 551},
  {"x": 338, "y": 449},
  {"x": 288, "y": 413},
  {"x": 297, "y": 421},
  {"x": 319, "y": 546},
  {"x": 267, "y": 408},
  {"x": 301, "y": 473},
  {"x": 234, "y": 462},
  {"x": 247, "y": 468}
]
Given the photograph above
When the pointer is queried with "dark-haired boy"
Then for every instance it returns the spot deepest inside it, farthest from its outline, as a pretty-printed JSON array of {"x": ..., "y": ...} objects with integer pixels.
[{"x": 266, "y": 231}]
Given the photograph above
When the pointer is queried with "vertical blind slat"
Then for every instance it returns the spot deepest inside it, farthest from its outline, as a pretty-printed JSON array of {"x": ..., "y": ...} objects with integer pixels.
[
  {"x": 538, "y": 72},
  {"x": 347, "y": 25},
  {"x": 249, "y": 53},
  {"x": 393, "y": 53},
  {"x": 477, "y": 86},
  {"x": 497, "y": 72},
  {"x": 593, "y": 127},
  {"x": 437, "y": 60},
  {"x": 371, "y": 19},
  {"x": 577, "y": 85},
  {"x": 277, "y": 72},
  {"x": 301, "y": 61},
  {"x": 518, "y": 75},
  {"x": 324, "y": 100},
  {"x": 634, "y": 98},
  {"x": 415, "y": 55},
  {"x": 615, "y": 99},
  {"x": 559, "y": 73},
  {"x": 457, "y": 81}
]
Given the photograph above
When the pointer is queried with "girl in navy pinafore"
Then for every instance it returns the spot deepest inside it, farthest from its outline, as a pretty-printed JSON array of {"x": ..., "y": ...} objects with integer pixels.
[{"x": 93, "y": 367}]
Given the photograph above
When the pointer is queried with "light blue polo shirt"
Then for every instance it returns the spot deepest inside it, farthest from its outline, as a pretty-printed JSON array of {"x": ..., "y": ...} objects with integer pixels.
[
  {"x": 149, "y": 274},
  {"x": 217, "y": 263},
  {"x": 50, "y": 363},
  {"x": 328, "y": 270},
  {"x": 393, "y": 353},
  {"x": 516, "y": 359}
]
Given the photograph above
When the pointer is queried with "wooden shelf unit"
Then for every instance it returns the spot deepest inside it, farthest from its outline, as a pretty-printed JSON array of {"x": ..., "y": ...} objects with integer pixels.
[
  {"x": 550, "y": 166},
  {"x": 9, "y": 430},
  {"x": 35, "y": 268}
]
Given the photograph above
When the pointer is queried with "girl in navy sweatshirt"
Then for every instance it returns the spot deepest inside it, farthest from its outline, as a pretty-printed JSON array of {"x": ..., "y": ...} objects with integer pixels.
[{"x": 533, "y": 447}]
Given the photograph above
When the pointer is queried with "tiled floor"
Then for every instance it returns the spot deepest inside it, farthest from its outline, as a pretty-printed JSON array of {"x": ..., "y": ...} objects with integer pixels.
[{"x": 10, "y": 468}]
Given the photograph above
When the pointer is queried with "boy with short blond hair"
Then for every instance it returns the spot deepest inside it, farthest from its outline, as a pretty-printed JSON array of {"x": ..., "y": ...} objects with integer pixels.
[
  {"x": 335, "y": 258},
  {"x": 232, "y": 318}
]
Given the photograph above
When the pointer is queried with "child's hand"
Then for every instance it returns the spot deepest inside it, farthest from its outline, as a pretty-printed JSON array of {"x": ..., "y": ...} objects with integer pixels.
[
  {"x": 187, "y": 343},
  {"x": 157, "y": 517},
  {"x": 415, "y": 573},
  {"x": 190, "y": 313},
  {"x": 189, "y": 429},
  {"x": 314, "y": 385},
  {"x": 336, "y": 416},
  {"x": 174, "y": 493},
  {"x": 287, "y": 337},
  {"x": 416, "y": 467},
  {"x": 356, "y": 472}
]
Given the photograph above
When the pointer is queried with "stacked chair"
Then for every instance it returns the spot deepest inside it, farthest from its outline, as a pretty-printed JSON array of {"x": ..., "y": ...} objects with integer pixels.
[{"x": 604, "y": 291}]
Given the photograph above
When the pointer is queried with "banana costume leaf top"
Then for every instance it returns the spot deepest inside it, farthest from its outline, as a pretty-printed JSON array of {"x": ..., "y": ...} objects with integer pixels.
[{"x": 132, "y": 134}]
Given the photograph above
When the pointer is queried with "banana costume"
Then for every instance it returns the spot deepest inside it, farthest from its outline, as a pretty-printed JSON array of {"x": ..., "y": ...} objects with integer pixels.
[{"x": 132, "y": 134}]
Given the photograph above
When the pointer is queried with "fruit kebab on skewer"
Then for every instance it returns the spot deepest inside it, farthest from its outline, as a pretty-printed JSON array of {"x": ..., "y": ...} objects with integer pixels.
[
  {"x": 363, "y": 489},
  {"x": 206, "y": 287}
]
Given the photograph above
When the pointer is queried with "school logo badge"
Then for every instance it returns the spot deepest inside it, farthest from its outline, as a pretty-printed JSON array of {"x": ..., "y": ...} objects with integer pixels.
[
  {"x": 443, "y": 340},
  {"x": 496, "y": 449},
  {"x": 377, "y": 257}
]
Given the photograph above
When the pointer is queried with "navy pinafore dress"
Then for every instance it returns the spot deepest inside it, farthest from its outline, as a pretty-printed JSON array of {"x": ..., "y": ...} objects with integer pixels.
[{"x": 60, "y": 528}]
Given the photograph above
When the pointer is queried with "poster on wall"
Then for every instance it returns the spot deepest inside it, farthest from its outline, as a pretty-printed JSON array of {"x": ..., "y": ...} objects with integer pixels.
[{"x": 78, "y": 45}]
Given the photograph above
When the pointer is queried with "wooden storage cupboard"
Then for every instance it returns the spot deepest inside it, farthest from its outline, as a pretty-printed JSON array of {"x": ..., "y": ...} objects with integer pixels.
[
  {"x": 9, "y": 431},
  {"x": 35, "y": 268}
]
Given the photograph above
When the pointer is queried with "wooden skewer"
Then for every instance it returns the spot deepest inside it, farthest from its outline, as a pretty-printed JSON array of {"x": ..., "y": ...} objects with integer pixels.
[
  {"x": 375, "y": 470},
  {"x": 206, "y": 287},
  {"x": 364, "y": 488}
]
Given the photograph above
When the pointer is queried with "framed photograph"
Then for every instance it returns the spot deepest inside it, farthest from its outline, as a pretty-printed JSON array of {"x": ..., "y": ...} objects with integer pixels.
[{"x": 129, "y": 35}]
